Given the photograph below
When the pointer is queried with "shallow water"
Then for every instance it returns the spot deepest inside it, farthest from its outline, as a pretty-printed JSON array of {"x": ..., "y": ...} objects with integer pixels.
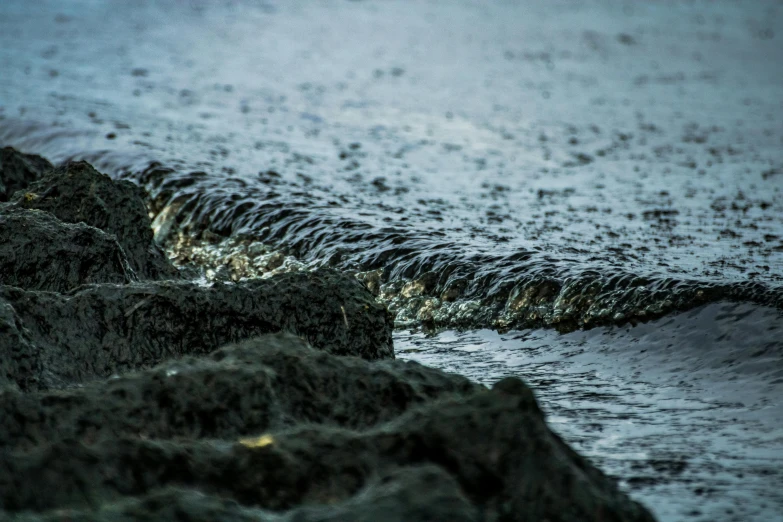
[
  {"x": 684, "y": 411},
  {"x": 522, "y": 166}
]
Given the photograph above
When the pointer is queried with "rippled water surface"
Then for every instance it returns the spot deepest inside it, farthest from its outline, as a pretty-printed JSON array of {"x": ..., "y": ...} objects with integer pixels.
[
  {"x": 684, "y": 411},
  {"x": 528, "y": 167}
]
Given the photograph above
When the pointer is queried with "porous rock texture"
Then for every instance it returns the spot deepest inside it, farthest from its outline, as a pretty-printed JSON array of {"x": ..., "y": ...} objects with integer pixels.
[
  {"x": 265, "y": 400},
  {"x": 75, "y": 192},
  {"x": 100, "y": 330},
  {"x": 40, "y": 252},
  {"x": 410, "y": 494},
  {"x": 20, "y": 364},
  {"x": 271, "y": 382},
  {"x": 18, "y": 170},
  {"x": 475, "y": 453}
]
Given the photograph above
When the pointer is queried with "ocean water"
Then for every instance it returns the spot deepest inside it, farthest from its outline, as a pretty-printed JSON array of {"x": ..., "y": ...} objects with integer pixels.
[{"x": 588, "y": 195}]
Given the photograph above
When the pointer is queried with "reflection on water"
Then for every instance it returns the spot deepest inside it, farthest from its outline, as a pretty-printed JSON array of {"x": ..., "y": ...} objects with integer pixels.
[{"x": 685, "y": 411}]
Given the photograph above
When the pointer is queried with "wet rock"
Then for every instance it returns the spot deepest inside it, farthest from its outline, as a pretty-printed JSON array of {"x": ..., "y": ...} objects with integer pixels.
[
  {"x": 494, "y": 444},
  {"x": 420, "y": 286},
  {"x": 232, "y": 259},
  {"x": 99, "y": 330},
  {"x": 40, "y": 252},
  {"x": 76, "y": 192},
  {"x": 18, "y": 170},
  {"x": 268, "y": 429},
  {"x": 372, "y": 280},
  {"x": 454, "y": 289},
  {"x": 265, "y": 383},
  {"x": 20, "y": 363},
  {"x": 410, "y": 494}
]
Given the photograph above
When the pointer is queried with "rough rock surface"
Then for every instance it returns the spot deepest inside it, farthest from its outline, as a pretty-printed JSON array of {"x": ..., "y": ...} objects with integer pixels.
[
  {"x": 76, "y": 192},
  {"x": 268, "y": 429},
  {"x": 20, "y": 363},
  {"x": 270, "y": 382},
  {"x": 99, "y": 330},
  {"x": 494, "y": 444},
  {"x": 40, "y": 252},
  {"x": 18, "y": 170},
  {"x": 413, "y": 493}
]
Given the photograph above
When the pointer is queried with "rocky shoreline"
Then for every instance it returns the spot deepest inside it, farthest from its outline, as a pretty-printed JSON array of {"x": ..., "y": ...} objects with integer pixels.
[{"x": 131, "y": 391}]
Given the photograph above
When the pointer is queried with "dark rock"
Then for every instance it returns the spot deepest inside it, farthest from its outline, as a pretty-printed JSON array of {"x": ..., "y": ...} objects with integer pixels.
[
  {"x": 20, "y": 361},
  {"x": 266, "y": 383},
  {"x": 75, "y": 192},
  {"x": 268, "y": 429},
  {"x": 99, "y": 330},
  {"x": 494, "y": 444},
  {"x": 18, "y": 170},
  {"x": 40, "y": 252},
  {"x": 416, "y": 493}
]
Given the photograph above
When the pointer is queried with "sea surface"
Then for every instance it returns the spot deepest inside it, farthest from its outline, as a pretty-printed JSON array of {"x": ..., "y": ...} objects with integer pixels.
[{"x": 588, "y": 195}]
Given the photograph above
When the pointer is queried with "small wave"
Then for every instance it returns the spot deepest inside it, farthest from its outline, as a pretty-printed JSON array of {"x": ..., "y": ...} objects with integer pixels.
[
  {"x": 425, "y": 279},
  {"x": 237, "y": 226}
]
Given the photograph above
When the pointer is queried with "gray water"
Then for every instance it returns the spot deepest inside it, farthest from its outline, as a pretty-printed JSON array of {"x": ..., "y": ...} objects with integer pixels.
[
  {"x": 528, "y": 167},
  {"x": 684, "y": 412}
]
